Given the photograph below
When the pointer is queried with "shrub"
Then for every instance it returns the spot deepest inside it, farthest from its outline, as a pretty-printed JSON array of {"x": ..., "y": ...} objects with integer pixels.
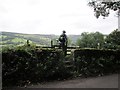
[
  {"x": 21, "y": 66},
  {"x": 92, "y": 62}
]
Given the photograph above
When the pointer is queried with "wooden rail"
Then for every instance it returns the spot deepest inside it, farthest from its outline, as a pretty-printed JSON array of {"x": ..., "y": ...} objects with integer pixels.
[{"x": 54, "y": 47}]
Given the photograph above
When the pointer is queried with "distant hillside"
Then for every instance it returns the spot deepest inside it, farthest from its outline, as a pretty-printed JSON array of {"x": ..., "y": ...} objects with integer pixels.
[{"x": 10, "y": 38}]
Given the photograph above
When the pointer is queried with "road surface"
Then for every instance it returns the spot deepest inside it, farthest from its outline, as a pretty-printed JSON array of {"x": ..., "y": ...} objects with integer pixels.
[{"x": 109, "y": 81}]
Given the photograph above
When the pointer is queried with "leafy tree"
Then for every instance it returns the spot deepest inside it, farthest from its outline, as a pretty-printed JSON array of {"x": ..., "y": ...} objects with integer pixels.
[
  {"x": 113, "y": 39},
  {"x": 102, "y": 8},
  {"x": 84, "y": 41},
  {"x": 91, "y": 40}
]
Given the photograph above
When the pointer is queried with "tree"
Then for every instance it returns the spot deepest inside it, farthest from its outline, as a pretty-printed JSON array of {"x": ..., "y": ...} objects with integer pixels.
[
  {"x": 84, "y": 40},
  {"x": 91, "y": 40},
  {"x": 102, "y": 8},
  {"x": 113, "y": 39}
]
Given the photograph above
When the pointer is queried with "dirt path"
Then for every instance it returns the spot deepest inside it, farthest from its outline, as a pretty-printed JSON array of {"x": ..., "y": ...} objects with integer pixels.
[{"x": 109, "y": 81}]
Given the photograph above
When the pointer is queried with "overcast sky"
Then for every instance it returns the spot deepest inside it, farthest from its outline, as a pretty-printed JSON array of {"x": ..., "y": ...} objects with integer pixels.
[{"x": 52, "y": 17}]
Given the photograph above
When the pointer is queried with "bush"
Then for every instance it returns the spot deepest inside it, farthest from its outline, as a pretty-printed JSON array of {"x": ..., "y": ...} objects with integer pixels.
[
  {"x": 23, "y": 66},
  {"x": 93, "y": 62}
]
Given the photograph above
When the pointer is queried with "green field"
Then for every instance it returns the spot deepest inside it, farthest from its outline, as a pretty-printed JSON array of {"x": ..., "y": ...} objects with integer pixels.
[{"x": 9, "y": 38}]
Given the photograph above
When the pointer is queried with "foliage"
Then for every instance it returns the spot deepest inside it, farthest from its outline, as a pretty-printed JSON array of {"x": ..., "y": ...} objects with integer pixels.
[
  {"x": 113, "y": 40},
  {"x": 91, "y": 40},
  {"x": 19, "y": 47},
  {"x": 93, "y": 62},
  {"x": 102, "y": 8},
  {"x": 100, "y": 41},
  {"x": 24, "y": 66}
]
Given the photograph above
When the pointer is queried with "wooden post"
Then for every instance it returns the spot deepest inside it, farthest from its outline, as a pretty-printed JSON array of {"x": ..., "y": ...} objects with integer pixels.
[
  {"x": 28, "y": 44},
  {"x": 51, "y": 43}
]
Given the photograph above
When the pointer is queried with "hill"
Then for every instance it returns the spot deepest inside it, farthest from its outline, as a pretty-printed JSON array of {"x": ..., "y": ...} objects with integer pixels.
[{"x": 11, "y": 38}]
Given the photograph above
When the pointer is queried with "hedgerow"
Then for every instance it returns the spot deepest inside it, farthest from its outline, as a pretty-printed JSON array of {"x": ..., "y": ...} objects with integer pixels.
[
  {"x": 93, "y": 62},
  {"x": 20, "y": 66},
  {"x": 27, "y": 65}
]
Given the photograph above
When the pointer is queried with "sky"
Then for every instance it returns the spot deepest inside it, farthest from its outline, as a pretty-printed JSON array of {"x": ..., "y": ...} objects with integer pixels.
[{"x": 52, "y": 17}]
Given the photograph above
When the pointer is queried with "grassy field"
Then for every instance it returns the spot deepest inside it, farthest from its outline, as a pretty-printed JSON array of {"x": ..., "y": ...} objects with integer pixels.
[{"x": 9, "y": 38}]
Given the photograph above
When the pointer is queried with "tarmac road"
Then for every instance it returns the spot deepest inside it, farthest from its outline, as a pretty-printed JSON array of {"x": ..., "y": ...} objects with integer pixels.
[{"x": 109, "y": 81}]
